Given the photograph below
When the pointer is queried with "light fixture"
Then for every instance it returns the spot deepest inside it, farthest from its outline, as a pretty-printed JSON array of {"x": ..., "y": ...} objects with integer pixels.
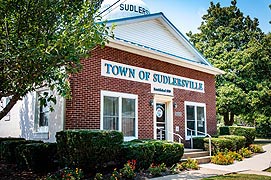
[
  {"x": 175, "y": 105},
  {"x": 151, "y": 102}
]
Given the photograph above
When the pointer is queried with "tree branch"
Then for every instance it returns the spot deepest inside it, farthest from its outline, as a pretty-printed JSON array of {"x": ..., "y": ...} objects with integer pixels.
[{"x": 9, "y": 106}]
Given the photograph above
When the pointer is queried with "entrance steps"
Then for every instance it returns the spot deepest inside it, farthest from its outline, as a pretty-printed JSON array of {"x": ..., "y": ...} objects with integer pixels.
[{"x": 198, "y": 154}]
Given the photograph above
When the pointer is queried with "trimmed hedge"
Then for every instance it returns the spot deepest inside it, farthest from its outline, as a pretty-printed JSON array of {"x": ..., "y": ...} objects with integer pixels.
[
  {"x": 39, "y": 157},
  {"x": 88, "y": 149},
  {"x": 218, "y": 144},
  {"x": 164, "y": 151},
  {"x": 198, "y": 142},
  {"x": 238, "y": 141},
  {"x": 167, "y": 152},
  {"x": 9, "y": 147},
  {"x": 142, "y": 152},
  {"x": 248, "y": 132},
  {"x": 7, "y": 139}
]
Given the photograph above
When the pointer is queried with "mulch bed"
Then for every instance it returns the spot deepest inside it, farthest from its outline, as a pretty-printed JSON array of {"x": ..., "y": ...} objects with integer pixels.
[{"x": 11, "y": 172}]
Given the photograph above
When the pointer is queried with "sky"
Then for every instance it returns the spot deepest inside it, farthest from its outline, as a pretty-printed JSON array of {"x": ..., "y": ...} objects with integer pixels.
[{"x": 186, "y": 14}]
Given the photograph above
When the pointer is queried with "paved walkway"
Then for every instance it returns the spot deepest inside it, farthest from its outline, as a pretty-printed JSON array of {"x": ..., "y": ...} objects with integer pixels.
[{"x": 253, "y": 165}]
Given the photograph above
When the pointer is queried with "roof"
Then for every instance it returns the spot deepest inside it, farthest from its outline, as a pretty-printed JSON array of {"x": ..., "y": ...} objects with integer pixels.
[{"x": 158, "y": 38}]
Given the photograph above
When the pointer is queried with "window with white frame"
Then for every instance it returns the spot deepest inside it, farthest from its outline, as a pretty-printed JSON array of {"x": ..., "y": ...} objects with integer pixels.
[
  {"x": 119, "y": 112},
  {"x": 195, "y": 117},
  {"x": 42, "y": 113}
]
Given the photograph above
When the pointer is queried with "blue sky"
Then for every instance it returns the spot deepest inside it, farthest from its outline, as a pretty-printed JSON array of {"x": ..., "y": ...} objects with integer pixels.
[{"x": 186, "y": 14}]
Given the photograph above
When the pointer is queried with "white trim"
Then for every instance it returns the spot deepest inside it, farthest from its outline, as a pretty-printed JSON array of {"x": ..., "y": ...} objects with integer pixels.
[
  {"x": 168, "y": 101},
  {"x": 120, "y": 96},
  {"x": 196, "y": 104},
  {"x": 163, "y": 57}
]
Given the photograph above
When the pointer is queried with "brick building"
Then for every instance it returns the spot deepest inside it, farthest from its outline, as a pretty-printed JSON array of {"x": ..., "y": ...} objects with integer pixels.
[{"x": 148, "y": 82}]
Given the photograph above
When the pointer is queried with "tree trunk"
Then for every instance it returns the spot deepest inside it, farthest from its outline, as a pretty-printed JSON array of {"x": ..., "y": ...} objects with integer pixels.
[
  {"x": 231, "y": 118},
  {"x": 9, "y": 106},
  {"x": 226, "y": 119}
]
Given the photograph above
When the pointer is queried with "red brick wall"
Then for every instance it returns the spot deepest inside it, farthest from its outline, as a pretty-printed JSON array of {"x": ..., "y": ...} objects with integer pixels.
[{"x": 83, "y": 111}]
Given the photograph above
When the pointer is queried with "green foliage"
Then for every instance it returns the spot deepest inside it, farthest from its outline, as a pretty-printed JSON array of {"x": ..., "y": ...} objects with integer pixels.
[
  {"x": 245, "y": 152},
  {"x": 190, "y": 164},
  {"x": 222, "y": 159},
  {"x": 115, "y": 175},
  {"x": 7, "y": 139},
  {"x": 38, "y": 157},
  {"x": 156, "y": 170},
  {"x": 88, "y": 149},
  {"x": 9, "y": 148},
  {"x": 263, "y": 126},
  {"x": 235, "y": 43},
  {"x": 127, "y": 171},
  {"x": 248, "y": 132},
  {"x": 238, "y": 141},
  {"x": 42, "y": 42},
  {"x": 66, "y": 173},
  {"x": 219, "y": 144},
  {"x": 255, "y": 148},
  {"x": 198, "y": 142},
  {"x": 165, "y": 152},
  {"x": 98, "y": 176},
  {"x": 142, "y": 152}
]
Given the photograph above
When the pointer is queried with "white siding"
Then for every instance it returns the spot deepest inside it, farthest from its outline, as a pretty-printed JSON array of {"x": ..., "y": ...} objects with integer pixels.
[
  {"x": 22, "y": 117},
  {"x": 153, "y": 34}
]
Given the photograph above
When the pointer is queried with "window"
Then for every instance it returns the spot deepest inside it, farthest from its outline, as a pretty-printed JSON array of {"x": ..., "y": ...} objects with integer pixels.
[
  {"x": 3, "y": 103},
  {"x": 195, "y": 119},
  {"x": 42, "y": 113},
  {"x": 119, "y": 112}
]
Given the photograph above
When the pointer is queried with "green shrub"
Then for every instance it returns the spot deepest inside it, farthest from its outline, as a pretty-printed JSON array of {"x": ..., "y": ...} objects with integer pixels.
[
  {"x": 165, "y": 151},
  {"x": 219, "y": 144},
  {"x": 198, "y": 142},
  {"x": 239, "y": 141},
  {"x": 245, "y": 152},
  {"x": 88, "y": 149},
  {"x": 263, "y": 126},
  {"x": 9, "y": 147},
  {"x": 37, "y": 156},
  {"x": 222, "y": 159},
  {"x": 156, "y": 170},
  {"x": 256, "y": 148},
  {"x": 7, "y": 139},
  {"x": 142, "y": 152},
  {"x": 248, "y": 132},
  {"x": 127, "y": 171}
]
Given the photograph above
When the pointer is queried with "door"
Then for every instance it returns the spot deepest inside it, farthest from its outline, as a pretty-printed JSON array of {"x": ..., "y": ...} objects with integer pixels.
[{"x": 161, "y": 121}]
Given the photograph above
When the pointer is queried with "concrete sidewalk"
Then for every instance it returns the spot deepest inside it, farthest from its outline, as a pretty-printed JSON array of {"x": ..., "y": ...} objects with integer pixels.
[{"x": 253, "y": 165}]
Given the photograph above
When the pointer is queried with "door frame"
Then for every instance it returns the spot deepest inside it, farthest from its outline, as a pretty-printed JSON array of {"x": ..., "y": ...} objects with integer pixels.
[{"x": 168, "y": 101}]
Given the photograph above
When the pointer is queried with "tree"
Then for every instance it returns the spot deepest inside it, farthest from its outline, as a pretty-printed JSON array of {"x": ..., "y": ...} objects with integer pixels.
[
  {"x": 235, "y": 44},
  {"x": 42, "y": 42}
]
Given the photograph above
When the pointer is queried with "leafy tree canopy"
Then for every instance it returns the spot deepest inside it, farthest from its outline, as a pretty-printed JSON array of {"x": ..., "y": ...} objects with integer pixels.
[
  {"x": 42, "y": 42},
  {"x": 235, "y": 44}
]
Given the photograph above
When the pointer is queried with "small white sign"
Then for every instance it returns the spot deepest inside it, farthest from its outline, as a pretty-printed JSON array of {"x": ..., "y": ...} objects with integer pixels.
[{"x": 164, "y": 90}]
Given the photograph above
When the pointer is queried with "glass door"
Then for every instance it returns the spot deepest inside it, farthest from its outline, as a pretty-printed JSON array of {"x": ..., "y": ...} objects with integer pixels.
[{"x": 161, "y": 121}]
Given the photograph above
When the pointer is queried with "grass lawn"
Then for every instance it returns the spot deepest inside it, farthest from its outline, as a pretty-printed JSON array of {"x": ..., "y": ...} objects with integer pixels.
[{"x": 239, "y": 177}]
